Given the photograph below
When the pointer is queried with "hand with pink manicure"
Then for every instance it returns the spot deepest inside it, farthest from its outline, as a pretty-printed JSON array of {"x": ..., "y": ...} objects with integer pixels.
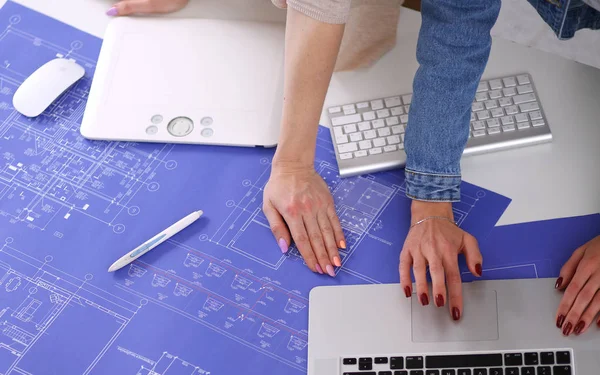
[{"x": 128, "y": 7}]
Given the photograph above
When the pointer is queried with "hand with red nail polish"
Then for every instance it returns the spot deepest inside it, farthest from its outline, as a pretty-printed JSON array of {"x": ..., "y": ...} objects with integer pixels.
[
  {"x": 436, "y": 244},
  {"x": 129, "y": 7},
  {"x": 299, "y": 207},
  {"x": 580, "y": 280}
]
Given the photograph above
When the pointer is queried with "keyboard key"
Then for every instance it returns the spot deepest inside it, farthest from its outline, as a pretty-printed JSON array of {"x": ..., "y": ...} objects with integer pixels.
[
  {"x": 377, "y": 104},
  {"x": 496, "y": 371},
  {"x": 390, "y": 148},
  {"x": 523, "y": 125},
  {"x": 375, "y": 151},
  {"x": 507, "y": 120},
  {"x": 478, "y": 106},
  {"x": 361, "y": 373},
  {"x": 349, "y": 361},
  {"x": 362, "y": 105},
  {"x": 384, "y": 373},
  {"x": 393, "y": 139},
  {"x": 478, "y": 133},
  {"x": 509, "y": 81},
  {"x": 432, "y": 372},
  {"x": 382, "y": 113},
  {"x": 495, "y": 84},
  {"x": 493, "y": 123},
  {"x": 365, "y": 125},
  {"x": 527, "y": 370},
  {"x": 379, "y": 142},
  {"x": 508, "y": 128},
  {"x": 513, "y": 109},
  {"x": 365, "y": 366},
  {"x": 521, "y": 117},
  {"x": 481, "y": 97},
  {"x": 495, "y": 94},
  {"x": 407, "y": 99},
  {"x": 397, "y": 129},
  {"x": 335, "y": 110},
  {"x": 349, "y": 109},
  {"x": 482, "y": 115},
  {"x": 346, "y": 156},
  {"x": 381, "y": 359},
  {"x": 397, "y": 363},
  {"x": 378, "y": 123},
  {"x": 365, "y": 145},
  {"x": 402, "y": 372},
  {"x": 393, "y": 101},
  {"x": 547, "y": 358},
  {"x": 416, "y": 372},
  {"x": 537, "y": 123},
  {"x": 525, "y": 98},
  {"x": 343, "y": 120},
  {"x": 563, "y": 358},
  {"x": 531, "y": 359},
  {"x": 368, "y": 116},
  {"x": 505, "y": 102},
  {"x": 524, "y": 89},
  {"x": 478, "y": 125},
  {"x": 561, "y": 370},
  {"x": 355, "y": 137},
  {"x": 509, "y": 91},
  {"x": 512, "y": 371},
  {"x": 483, "y": 86},
  {"x": 523, "y": 79},
  {"x": 338, "y": 130},
  {"x": 491, "y": 104},
  {"x": 401, "y": 146},
  {"x": 347, "y": 147},
  {"x": 406, "y": 109},
  {"x": 513, "y": 359},
  {"x": 492, "y": 131},
  {"x": 448, "y": 372},
  {"x": 341, "y": 139},
  {"x": 463, "y": 360},
  {"x": 370, "y": 134},
  {"x": 480, "y": 371},
  {"x": 360, "y": 154},
  {"x": 404, "y": 119},
  {"x": 465, "y": 371},
  {"x": 497, "y": 112},
  {"x": 529, "y": 107},
  {"x": 544, "y": 370},
  {"x": 535, "y": 115},
  {"x": 350, "y": 128},
  {"x": 384, "y": 132},
  {"x": 390, "y": 121},
  {"x": 397, "y": 111}
]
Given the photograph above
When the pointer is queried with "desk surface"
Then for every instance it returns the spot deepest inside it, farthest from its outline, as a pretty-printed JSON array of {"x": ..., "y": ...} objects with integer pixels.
[{"x": 546, "y": 181}]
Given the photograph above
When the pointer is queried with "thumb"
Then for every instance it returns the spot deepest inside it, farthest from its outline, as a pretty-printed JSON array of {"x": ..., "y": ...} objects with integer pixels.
[
  {"x": 472, "y": 254},
  {"x": 278, "y": 226},
  {"x": 128, "y": 7}
]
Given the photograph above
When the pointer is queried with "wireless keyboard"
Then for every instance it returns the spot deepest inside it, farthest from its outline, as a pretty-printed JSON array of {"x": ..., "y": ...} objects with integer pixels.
[{"x": 369, "y": 135}]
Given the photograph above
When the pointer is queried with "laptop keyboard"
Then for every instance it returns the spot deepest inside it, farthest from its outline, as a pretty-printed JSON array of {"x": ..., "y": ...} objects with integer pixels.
[{"x": 542, "y": 362}]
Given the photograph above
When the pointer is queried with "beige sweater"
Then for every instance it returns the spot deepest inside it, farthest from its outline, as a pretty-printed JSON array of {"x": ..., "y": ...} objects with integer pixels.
[{"x": 370, "y": 26}]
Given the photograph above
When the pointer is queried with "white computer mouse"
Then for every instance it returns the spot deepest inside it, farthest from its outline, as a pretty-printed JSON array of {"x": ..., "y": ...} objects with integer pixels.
[{"x": 46, "y": 84}]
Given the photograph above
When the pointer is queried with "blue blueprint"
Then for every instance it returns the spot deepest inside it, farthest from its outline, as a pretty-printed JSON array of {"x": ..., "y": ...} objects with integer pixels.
[
  {"x": 214, "y": 299},
  {"x": 536, "y": 249}
]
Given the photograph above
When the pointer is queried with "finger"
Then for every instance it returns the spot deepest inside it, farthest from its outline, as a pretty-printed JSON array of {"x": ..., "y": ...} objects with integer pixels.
[
  {"x": 454, "y": 285},
  {"x": 436, "y": 269},
  {"x": 329, "y": 239},
  {"x": 405, "y": 264},
  {"x": 340, "y": 239},
  {"x": 568, "y": 269},
  {"x": 300, "y": 237},
  {"x": 278, "y": 226},
  {"x": 420, "y": 271},
  {"x": 472, "y": 254},
  {"x": 318, "y": 246},
  {"x": 577, "y": 283},
  {"x": 128, "y": 7},
  {"x": 584, "y": 298},
  {"x": 589, "y": 315}
]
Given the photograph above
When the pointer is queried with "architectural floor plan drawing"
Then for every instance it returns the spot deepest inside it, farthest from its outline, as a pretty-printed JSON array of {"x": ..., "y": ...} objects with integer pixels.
[{"x": 218, "y": 294}]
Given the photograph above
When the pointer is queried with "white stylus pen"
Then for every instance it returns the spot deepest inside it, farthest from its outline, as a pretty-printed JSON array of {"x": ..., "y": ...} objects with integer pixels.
[{"x": 155, "y": 241}]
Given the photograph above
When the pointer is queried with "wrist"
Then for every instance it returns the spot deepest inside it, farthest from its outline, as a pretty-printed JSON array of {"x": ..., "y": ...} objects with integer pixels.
[{"x": 420, "y": 210}]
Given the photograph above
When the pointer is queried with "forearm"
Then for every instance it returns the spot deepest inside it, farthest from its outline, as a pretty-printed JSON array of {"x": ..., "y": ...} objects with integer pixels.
[
  {"x": 311, "y": 49},
  {"x": 453, "y": 49}
]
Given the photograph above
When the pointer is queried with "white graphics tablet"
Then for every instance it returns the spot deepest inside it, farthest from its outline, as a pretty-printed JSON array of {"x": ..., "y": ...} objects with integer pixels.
[{"x": 197, "y": 81}]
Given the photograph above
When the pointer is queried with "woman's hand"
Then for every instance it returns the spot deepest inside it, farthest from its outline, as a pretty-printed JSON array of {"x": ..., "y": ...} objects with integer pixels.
[
  {"x": 127, "y": 7},
  {"x": 297, "y": 200},
  {"x": 436, "y": 243},
  {"x": 580, "y": 279}
]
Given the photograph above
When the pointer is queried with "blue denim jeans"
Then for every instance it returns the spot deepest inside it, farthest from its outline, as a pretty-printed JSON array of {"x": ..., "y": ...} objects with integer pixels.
[{"x": 565, "y": 17}]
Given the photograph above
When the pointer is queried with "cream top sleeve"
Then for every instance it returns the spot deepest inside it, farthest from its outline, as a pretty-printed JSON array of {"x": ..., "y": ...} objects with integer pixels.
[{"x": 328, "y": 11}]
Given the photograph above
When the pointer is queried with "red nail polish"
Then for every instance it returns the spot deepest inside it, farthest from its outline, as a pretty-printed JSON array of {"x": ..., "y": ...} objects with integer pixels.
[
  {"x": 579, "y": 327},
  {"x": 560, "y": 321},
  {"x": 478, "y": 269},
  {"x": 567, "y": 330},
  {"x": 455, "y": 313},
  {"x": 424, "y": 299},
  {"x": 407, "y": 291},
  {"x": 439, "y": 300},
  {"x": 558, "y": 283}
]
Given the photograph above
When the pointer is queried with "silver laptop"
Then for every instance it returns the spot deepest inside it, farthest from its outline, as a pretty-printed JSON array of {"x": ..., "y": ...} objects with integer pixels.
[
  {"x": 200, "y": 81},
  {"x": 507, "y": 328}
]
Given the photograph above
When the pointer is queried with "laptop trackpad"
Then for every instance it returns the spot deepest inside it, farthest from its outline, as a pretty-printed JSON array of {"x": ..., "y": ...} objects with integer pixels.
[{"x": 478, "y": 323}]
